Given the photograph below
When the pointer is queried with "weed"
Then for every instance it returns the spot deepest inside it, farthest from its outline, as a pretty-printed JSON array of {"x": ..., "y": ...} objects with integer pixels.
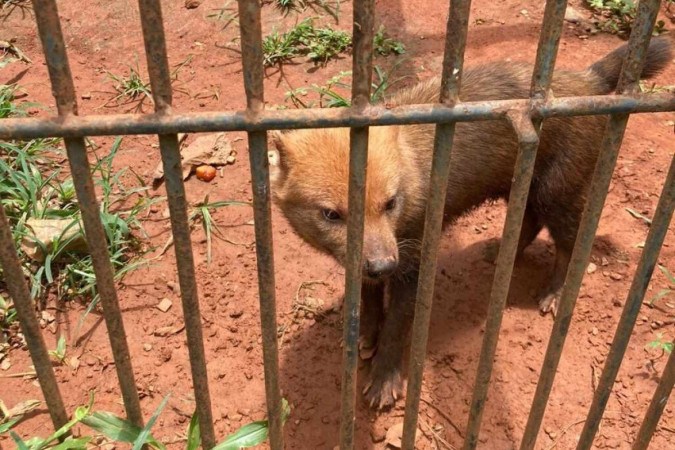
[
  {"x": 288, "y": 6},
  {"x": 60, "y": 352},
  {"x": 130, "y": 89},
  {"x": 28, "y": 195},
  {"x": 7, "y": 7},
  {"x": 118, "y": 430},
  {"x": 331, "y": 96},
  {"x": 665, "y": 291},
  {"x": 384, "y": 45},
  {"x": 660, "y": 344},
  {"x": 228, "y": 14},
  {"x": 8, "y": 105},
  {"x": 201, "y": 213},
  {"x": 318, "y": 44},
  {"x": 617, "y": 16}
]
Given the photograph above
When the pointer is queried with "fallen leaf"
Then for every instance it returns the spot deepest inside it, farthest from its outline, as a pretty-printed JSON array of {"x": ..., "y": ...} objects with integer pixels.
[
  {"x": 45, "y": 232},
  {"x": 22, "y": 408},
  {"x": 212, "y": 149}
]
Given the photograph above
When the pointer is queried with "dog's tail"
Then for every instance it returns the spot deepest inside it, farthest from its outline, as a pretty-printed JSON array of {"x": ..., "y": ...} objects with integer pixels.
[{"x": 659, "y": 54}]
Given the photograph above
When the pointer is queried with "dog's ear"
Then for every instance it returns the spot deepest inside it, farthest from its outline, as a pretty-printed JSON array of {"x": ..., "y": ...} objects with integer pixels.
[{"x": 279, "y": 158}]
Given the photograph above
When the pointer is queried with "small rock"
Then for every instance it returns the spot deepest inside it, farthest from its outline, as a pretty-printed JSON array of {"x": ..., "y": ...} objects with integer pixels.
[
  {"x": 231, "y": 159},
  {"x": 591, "y": 268},
  {"x": 616, "y": 276},
  {"x": 594, "y": 331},
  {"x": 86, "y": 96},
  {"x": 164, "y": 305},
  {"x": 147, "y": 347},
  {"x": 236, "y": 313},
  {"x": 573, "y": 16},
  {"x": 192, "y": 4},
  {"x": 524, "y": 12},
  {"x": 604, "y": 262}
]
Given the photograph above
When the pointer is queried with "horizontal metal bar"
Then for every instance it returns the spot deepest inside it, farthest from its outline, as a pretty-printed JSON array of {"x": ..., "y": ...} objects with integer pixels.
[
  {"x": 51, "y": 35},
  {"x": 656, "y": 406},
  {"x": 453, "y": 63},
  {"x": 129, "y": 124},
  {"x": 252, "y": 62},
  {"x": 160, "y": 79},
  {"x": 362, "y": 68},
  {"x": 643, "y": 273},
  {"x": 25, "y": 310},
  {"x": 520, "y": 188},
  {"x": 616, "y": 126}
]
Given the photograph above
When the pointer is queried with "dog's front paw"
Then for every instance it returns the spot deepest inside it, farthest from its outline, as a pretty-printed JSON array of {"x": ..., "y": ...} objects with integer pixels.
[
  {"x": 549, "y": 303},
  {"x": 384, "y": 388}
]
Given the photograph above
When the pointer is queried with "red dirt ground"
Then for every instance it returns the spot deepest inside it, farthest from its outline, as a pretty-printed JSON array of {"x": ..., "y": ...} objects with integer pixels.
[{"x": 105, "y": 36}]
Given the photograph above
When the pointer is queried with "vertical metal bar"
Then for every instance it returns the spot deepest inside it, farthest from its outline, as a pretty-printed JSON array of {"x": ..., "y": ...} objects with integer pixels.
[
  {"x": 453, "y": 61},
  {"x": 252, "y": 60},
  {"x": 49, "y": 27},
  {"x": 643, "y": 274},
  {"x": 160, "y": 81},
  {"x": 16, "y": 284},
  {"x": 547, "y": 51},
  {"x": 616, "y": 126},
  {"x": 528, "y": 137},
  {"x": 520, "y": 188},
  {"x": 362, "y": 65},
  {"x": 656, "y": 406}
]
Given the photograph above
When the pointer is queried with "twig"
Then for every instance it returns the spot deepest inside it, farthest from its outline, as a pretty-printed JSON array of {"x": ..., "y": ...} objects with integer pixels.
[
  {"x": 445, "y": 416},
  {"x": 436, "y": 436}
]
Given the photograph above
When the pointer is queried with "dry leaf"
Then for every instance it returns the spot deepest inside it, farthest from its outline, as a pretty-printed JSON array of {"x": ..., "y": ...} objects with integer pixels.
[
  {"x": 22, "y": 408},
  {"x": 47, "y": 231},
  {"x": 210, "y": 149}
]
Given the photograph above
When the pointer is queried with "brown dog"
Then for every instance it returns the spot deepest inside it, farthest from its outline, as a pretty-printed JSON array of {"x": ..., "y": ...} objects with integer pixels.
[{"x": 309, "y": 174}]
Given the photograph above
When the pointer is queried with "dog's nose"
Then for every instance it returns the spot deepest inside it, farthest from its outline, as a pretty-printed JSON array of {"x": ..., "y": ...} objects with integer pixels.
[{"x": 376, "y": 268}]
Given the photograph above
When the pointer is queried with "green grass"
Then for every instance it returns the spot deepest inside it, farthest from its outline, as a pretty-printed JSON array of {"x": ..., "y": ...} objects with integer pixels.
[
  {"x": 335, "y": 92},
  {"x": 617, "y": 16},
  {"x": 320, "y": 44},
  {"x": 130, "y": 88},
  {"x": 33, "y": 187},
  {"x": 117, "y": 430},
  {"x": 384, "y": 45},
  {"x": 288, "y": 6},
  {"x": 317, "y": 44}
]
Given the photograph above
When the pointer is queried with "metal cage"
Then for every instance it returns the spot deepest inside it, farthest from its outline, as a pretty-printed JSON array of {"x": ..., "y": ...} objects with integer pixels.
[{"x": 525, "y": 116}]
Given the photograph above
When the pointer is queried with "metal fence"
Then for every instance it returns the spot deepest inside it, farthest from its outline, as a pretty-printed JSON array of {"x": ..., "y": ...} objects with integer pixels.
[{"x": 525, "y": 116}]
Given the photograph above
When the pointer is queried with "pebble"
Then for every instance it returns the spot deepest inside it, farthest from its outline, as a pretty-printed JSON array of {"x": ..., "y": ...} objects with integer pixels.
[
  {"x": 147, "y": 347},
  {"x": 164, "y": 305},
  {"x": 616, "y": 276},
  {"x": 591, "y": 268}
]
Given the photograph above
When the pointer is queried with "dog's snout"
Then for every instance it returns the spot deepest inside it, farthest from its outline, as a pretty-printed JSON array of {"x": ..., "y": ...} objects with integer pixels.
[{"x": 380, "y": 267}]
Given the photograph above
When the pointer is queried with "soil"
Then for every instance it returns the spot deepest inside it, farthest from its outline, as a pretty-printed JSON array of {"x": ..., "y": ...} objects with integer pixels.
[{"x": 106, "y": 36}]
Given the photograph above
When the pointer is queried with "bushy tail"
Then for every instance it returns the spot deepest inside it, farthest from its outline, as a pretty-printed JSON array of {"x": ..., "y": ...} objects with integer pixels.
[{"x": 659, "y": 54}]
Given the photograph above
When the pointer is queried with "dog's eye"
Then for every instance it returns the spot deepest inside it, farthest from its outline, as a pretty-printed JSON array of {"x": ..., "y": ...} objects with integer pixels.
[
  {"x": 331, "y": 215},
  {"x": 391, "y": 204}
]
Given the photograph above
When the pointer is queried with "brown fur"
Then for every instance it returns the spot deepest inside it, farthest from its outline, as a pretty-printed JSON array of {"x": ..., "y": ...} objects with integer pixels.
[{"x": 311, "y": 175}]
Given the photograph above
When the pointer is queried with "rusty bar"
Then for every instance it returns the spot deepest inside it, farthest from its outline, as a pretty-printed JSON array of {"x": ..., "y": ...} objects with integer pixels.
[
  {"x": 616, "y": 126},
  {"x": 160, "y": 81},
  {"x": 49, "y": 27},
  {"x": 656, "y": 406},
  {"x": 528, "y": 137},
  {"x": 362, "y": 67},
  {"x": 520, "y": 188},
  {"x": 547, "y": 51},
  {"x": 252, "y": 61},
  {"x": 643, "y": 274},
  {"x": 129, "y": 124},
  {"x": 453, "y": 62},
  {"x": 25, "y": 310}
]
